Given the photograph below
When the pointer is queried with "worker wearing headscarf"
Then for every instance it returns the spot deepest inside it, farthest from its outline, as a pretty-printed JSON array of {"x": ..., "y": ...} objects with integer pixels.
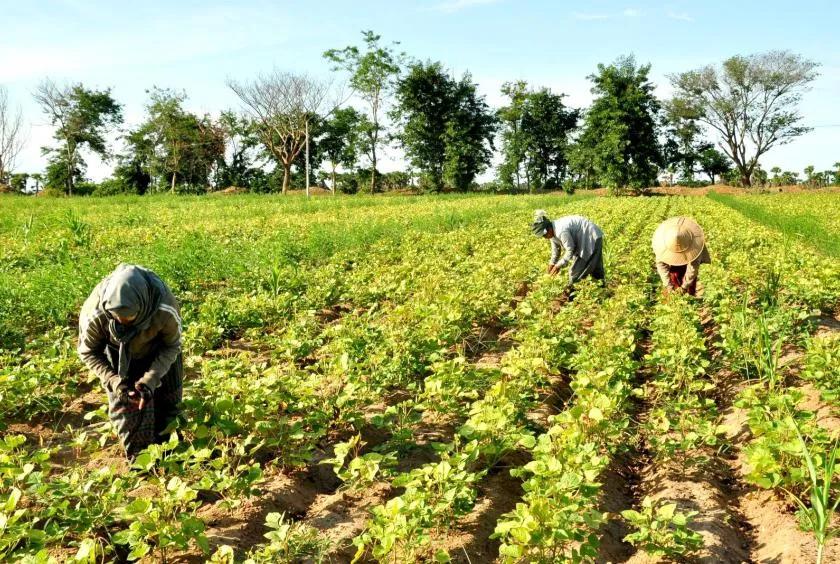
[
  {"x": 580, "y": 241},
  {"x": 130, "y": 337},
  {"x": 679, "y": 245}
]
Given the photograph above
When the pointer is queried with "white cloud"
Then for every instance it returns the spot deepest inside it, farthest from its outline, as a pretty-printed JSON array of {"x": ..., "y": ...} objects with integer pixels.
[
  {"x": 630, "y": 12},
  {"x": 587, "y": 17},
  {"x": 680, "y": 16},
  {"x": 452, "y": 6}
]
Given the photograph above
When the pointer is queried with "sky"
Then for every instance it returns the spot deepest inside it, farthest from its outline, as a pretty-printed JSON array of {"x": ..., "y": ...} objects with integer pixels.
[{"x": 196, "y": 46}]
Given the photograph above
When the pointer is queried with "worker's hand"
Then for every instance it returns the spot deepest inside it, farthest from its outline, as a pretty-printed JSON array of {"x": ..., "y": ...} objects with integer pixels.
[
  {"x": 144, "y": 393},
  {"x": 119, "y": 389}
]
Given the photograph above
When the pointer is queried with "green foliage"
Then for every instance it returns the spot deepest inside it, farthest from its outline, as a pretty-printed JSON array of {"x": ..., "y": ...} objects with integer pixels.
[
  {"x": 751, "y": 101},
  {"x": 620, "y": 131},
  {"x": 82, "y": 118},
  {"x": 447, "y": 128},
  {"x": 339, "y": 140},
  {"x": 661, "y": 530},
  {"x": 372, "y": 72}
]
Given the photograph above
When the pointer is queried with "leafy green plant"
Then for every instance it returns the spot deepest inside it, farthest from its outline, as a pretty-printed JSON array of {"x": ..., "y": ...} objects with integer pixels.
[
  {"x": 362, "y": 470},
  {"x": 824, "y": 497},
  {"x": 289, "y": 541},
  {"x": 661, "y": 530}
]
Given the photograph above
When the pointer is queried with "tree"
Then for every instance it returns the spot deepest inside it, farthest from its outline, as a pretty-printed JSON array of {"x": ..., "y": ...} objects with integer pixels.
[
  {"x": 82, "y": 118},
  {"x": 372, "y": 72},
  {"x": 282, "y": 105},
  {"x": 812, "y": 178},
  {"x": 11, "y": 136},
  {"x": 135, "y": 165},
  {"x": 446, "y": 128},
  {"x": 546, "y": 126},
  {"x": 683, "y": 142},
  {"x": 17, "y": 182},
  {"x": 512, "y": 137},
  {"x": 836, "y": 173},
  {"x": 751, "y": 102},
  {"x": 468, "y": 140},
  {"x": 776, "y": 179},
  {"x": 242, "y": 143},
  {"x": 186, "y": 147},
  {"x": 713, "y": 163},
  {"x": 620, "y": 131},
  {"x": 339, "y": 140}
]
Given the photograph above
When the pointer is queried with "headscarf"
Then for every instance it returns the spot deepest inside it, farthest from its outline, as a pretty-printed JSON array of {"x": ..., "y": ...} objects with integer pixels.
[
  {"x": 541, "y": 223},
  {"x": 130, "y": 290}
]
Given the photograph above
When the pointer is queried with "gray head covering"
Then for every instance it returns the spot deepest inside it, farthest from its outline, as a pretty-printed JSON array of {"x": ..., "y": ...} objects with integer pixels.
[
  {"x": 130, "y": 291},
  {"x": 541, "y": 223}
]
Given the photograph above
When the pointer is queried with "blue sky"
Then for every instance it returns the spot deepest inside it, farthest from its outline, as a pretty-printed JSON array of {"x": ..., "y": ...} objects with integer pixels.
[{"x": 197, "y": 45}]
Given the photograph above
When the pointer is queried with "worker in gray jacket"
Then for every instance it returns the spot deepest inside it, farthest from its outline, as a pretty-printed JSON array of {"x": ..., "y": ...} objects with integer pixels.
[
  {"x": 580, "y": 241},
  {"x": 130, "y": 337}
]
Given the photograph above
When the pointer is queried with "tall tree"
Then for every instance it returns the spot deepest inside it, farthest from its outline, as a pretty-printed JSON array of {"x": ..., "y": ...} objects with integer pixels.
[
  {"x": 446, "y": 128},
  {"x": 339, "y": 140},
  {"x": 713, "y": 163},
  {"x": 546, "y": 126},
  {"x": 750, "y": 101},
  {"x": 135, "y": 165},
  {"x": 683, "y": 139},
  {"x": 82, "y": 118},
  {"x": 239, "y": 166},
  {"x": 620, "y": 132},
  {"x": 512, "y": 137},
  {"x": 282, "y": 105},
  {"x": 372, "y": 71},
  {"x": 11, "y": 136},
  {"x": 469, "y": 135}
]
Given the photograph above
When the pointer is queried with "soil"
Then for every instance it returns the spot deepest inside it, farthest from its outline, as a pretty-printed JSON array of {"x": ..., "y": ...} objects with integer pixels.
[
  {"x": 707, "y": 491},
  {"x": 776, "y": 535}
]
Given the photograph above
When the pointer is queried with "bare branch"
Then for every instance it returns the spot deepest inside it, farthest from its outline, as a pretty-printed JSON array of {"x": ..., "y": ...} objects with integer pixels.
[{"x": 11, "y": 135}]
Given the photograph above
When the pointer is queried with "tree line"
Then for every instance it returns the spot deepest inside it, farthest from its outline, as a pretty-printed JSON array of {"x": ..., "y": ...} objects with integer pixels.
[{"x": 292, "y": 129}]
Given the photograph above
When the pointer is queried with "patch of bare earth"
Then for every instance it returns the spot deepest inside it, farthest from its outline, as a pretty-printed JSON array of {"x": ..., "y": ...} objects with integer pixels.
[
  {"x": 777, "y": 538},
  {"x": 706, "y": 490}
]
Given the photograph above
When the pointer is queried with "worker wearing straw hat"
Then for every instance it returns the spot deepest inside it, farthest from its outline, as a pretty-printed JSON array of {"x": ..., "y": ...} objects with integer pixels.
[
  {"x": 580, "y": 240},
  {"x": 680, "y": 248}
]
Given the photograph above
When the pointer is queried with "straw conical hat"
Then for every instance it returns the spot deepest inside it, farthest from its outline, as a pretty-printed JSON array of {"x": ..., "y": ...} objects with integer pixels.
[{"x": 678, "y": 241}]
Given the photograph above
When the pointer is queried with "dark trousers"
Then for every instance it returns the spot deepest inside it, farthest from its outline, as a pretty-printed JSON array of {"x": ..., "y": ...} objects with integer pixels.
[
  {"x": 593, "y": 266},
  {"x": 139, "y": 428}
]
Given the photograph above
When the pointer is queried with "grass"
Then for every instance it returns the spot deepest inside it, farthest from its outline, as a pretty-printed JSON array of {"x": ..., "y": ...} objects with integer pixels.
[{"x": 805, "y": 226}]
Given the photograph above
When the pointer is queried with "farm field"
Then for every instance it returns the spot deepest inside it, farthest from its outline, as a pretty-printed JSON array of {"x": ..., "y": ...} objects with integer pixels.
[{"x": 396, "y": 379}]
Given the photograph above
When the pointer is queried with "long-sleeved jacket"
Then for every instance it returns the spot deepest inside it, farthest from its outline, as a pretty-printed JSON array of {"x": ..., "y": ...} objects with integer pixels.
[
  {"x": 575, "y": 235},
  {"x": 162, "y": 339},
  {"x": 691, "y": 269}
]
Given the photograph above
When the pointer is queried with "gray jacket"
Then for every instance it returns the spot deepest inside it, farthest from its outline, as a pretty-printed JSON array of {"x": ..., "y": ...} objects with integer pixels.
[
  {"x": 162, "y": 339},
  {"x": 575, "y": 235}
]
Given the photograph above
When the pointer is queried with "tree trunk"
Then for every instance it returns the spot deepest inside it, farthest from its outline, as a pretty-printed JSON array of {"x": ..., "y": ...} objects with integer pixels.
[
  {"x": 69, "y": 171},
  {"x": 334, "y": 187},
  {"x": 287, "y": 174},
  {"x": 373, "y": 171},
  {"x": 307, "y": 157},
  {"x": 745, "y": 178},
  {"x": 172, "y": 186}
]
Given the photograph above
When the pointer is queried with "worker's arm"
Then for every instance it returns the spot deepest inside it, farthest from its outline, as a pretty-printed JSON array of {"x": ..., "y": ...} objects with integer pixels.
[
  {"x": 93, "y": 338},
  {"x": 691, "y": 271},
  {"x": 568, "y": 243},
  {"x": 170, "y": 335},
  {"x": 555, "y": 253},
  {"x": 664, "y": 271}
]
